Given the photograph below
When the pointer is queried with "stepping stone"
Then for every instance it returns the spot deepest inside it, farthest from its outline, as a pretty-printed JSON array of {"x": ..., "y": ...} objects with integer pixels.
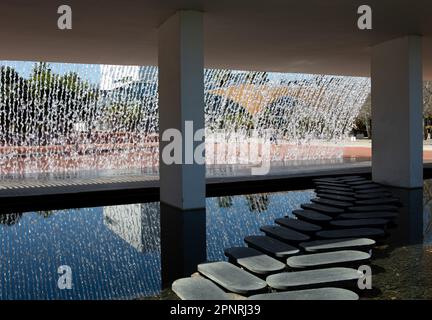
[
  {"x": 336, "y": 197},
  {"x": 375, "y": 195},
  {"x": 369, "y": 215},
  {"x": 379, "y": 201},
  {"x": 329, "y": 180},
  {"x": 231, "y": 277},
  {"x": 369, "y": 191},
  {"x": 355, "y": 223},
  {"x": 254, "y": 260},
  {"x": 331, "y": 184},
  {"x": 326, "y": 259},
  {"x": 310, "y": 294},
  {"x": 313, "y": 278},
  {"x": 373, "y": 208},
  {"x": 284, "y": 234},
  {"x": 337, "y": 193},
  {"x": 322, "y": 208},
  {"x": 332, "y": 203},
  {"x": 298, "y": 225},
  {"x": 343, "y": 189},
  {"x": 311, "y": 216},
  {"x": 351, "y": 233},
  {"x": 367, "y": 186},
  {"x": 338, "y": 244},
  {"x": 271, "y": 246},
  {"x": 349, "y": 178},
  {"x": 198, "y": 288},
  {"x": 359, "y": 182}
]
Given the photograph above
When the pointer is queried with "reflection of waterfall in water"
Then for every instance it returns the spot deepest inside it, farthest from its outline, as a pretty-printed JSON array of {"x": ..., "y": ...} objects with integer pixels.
[{"x": 67, "y": 118}]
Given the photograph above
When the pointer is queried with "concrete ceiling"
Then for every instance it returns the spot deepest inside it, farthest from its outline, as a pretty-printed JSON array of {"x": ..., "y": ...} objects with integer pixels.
[{"x": 309, "y": 36}]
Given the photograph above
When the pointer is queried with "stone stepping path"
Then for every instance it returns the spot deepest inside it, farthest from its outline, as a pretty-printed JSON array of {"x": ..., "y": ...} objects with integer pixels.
[
  {"x": 332, "y": 203},
  {"x": 312, "y": 216},
  {"x": 356, "y": 223},
  {"x": 317, "y": 246},
  {"x": 231, "y": 277},
  {"x": 336, "y": 197},
  {"x": 310, "y": 294},
  {"x": 377, "y": 208},
  {"x": 284, "y": 234},
  {"x": 369, "y": 215},
  {"x": 379, "y": 201},
  {"x": 335, "y": 231},
  {"x": 298, "y": 225},
  {"x": 327, "y": 259},
  {"x": 322, "y": 208},
  {"x": 351, "y": 233},
  {"x": 313, "y": 278},
  {"x": 254, "y": 260},
  {"x": 271, "y": 246},
  {"x": 198, "y": 288}
]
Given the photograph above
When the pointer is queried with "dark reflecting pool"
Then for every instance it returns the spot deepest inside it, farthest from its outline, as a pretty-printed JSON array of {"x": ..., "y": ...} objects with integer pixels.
[{"x": 114, "y": 252}]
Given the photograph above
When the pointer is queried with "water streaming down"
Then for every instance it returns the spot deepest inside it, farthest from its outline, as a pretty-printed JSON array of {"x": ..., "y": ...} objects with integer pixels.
[{"x": 73, "y": 120}]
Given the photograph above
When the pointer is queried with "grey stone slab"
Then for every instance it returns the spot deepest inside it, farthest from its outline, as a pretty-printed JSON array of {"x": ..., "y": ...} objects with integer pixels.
[
  {"x": 284, "y": 234},
  {"x": 343, "y": 189},
  {"x": 299, "y": 225},
  {"x": 329, "y": 180},
  {"x": 378, "y": 201},
  {"x": 373, "y": 195},
  {"x": 254, "y": 260},
  {"x": 309, "y": 294},
  {"x": 312, "y": 216},
  {"x": 231, "y": 277},
  {"x": 356, "y": 223},
  {"x": 271, "y": 246},
  {"x": 375, "y": 208},
  {"x": 369, "y": 186},
  {"x": 313, "y": 278},
  {"x": 351, "y": 233},
  {"x": 369, "y": 215},
  {"x": 332, "y": 203},
  {"x": 336, "y": 197},
  {"x": 358, "y": 182},
  {"x": 198, "y": 288},
  {"x": 369, "y": 191},
  {"x": 336, "y": 192},
  {"x": 350, "y": 178},
  {"x": 331, "y": 184},
  {"x": 326, "y": 259},
  {"x": 317, "y": 246},
  {"x": 322, "y": 208}
]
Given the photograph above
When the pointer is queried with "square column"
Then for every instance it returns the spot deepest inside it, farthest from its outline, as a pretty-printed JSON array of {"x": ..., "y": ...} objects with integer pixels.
[
  {"x": 397, "y": 112},
  {"x": 181, "y": 115},
  {"x": 181, "y": 100}
]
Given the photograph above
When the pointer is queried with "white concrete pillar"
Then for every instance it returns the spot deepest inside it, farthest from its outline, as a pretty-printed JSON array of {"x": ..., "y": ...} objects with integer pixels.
[
  {"x": 181, "y": 98},
  {"x": 397, "y": 109}
]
